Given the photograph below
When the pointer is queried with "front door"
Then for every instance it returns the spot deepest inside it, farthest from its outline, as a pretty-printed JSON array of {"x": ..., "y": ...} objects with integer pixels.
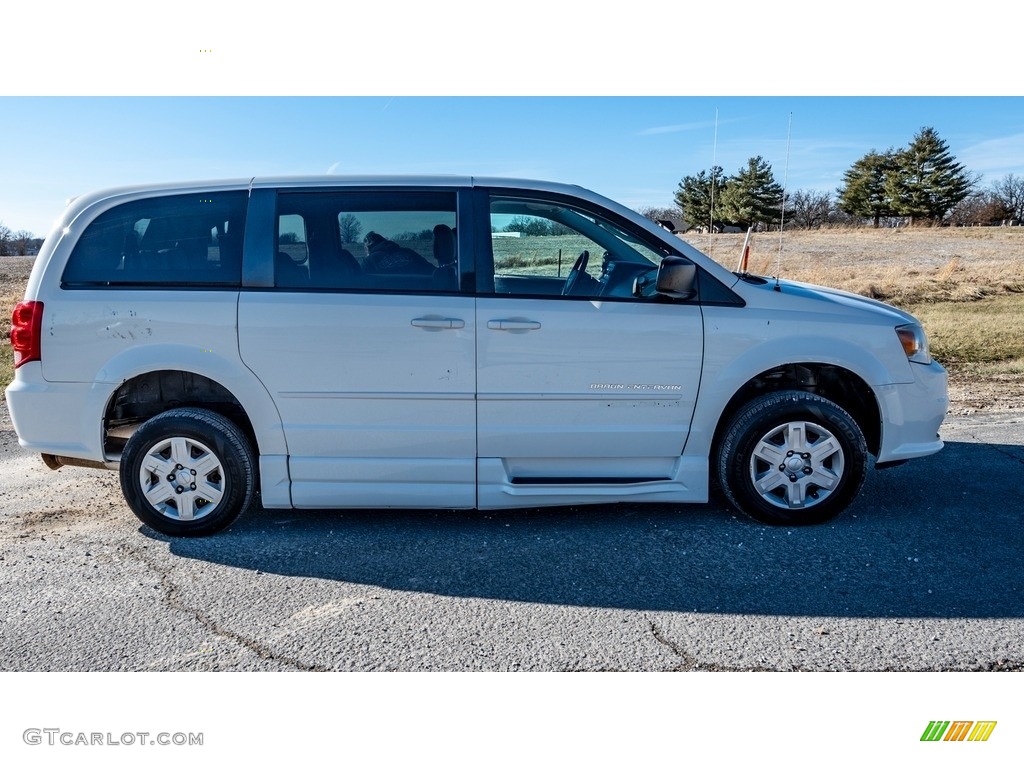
[{"x": 586, "y": 381}]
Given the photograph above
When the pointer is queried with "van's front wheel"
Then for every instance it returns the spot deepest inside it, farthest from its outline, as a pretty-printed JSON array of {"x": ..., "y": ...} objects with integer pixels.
[
  {"x": 188, "y": 472},
  {"x": 792, "y": 458}
]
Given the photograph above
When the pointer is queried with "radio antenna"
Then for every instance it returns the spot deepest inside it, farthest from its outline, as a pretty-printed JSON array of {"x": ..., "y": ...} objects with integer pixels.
[
  {"x": 782, "y": 215},
  {"x": 714, "y": 159},
  {"x": 745, "y": 252}
]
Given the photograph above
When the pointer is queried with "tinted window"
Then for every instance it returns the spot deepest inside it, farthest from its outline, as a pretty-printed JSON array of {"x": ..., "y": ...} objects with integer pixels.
[
  {"x": 180, "y": 240},
  {"x": 367, "y": 241},
  {"x": 548, "y": 248}
]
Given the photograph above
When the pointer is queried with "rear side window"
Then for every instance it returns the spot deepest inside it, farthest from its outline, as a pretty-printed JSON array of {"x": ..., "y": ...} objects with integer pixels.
[
  {"x": 401, "y": 241},
  {"x": 179, "y": 240}
]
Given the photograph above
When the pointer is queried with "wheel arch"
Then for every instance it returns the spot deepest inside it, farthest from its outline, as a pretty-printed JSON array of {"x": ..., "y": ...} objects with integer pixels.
[
  {"x": 147, "y": 394},
  {"x": 218, "y": 365},
  {"x": 842, "y": 386}
]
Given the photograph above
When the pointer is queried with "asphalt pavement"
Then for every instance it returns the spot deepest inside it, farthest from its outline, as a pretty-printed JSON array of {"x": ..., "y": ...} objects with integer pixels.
[{"x": 921, "y": 573}]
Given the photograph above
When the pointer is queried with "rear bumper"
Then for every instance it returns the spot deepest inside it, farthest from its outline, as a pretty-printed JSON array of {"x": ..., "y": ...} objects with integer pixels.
[{"x": 63, "y": 419}]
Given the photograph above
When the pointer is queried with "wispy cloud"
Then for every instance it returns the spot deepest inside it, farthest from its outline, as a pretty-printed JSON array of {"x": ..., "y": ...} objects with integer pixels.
[
  {"x": 659, "y": 129},
  {"x": 702, "y": 125},
  {"x": 995, "y": 156}
]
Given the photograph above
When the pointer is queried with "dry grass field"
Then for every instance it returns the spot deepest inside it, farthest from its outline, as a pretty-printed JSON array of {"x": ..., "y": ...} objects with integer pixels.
[
  {"x": 906, "y": 267},
  {"x": 966, "y": 286},
  {"x": 13, "y": 276}
]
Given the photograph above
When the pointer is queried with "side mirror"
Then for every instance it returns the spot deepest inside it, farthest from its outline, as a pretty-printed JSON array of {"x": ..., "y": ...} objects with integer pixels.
[{"x": 677, "y": 277}]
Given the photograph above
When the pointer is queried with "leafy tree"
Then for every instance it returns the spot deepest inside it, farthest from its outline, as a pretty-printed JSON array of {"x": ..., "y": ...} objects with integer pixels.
[
  {"x": 696, "y": 194},
  {"x": 864, "y": 192},
  {"x": 810, "y": 209},
  {"x": 1010, "y": 190},
  {"x": 752, "y": 196},
  {"x": 927, "y": 182}
]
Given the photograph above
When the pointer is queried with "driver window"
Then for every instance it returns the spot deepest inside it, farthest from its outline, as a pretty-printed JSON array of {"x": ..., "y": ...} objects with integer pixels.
[{"x": 543, "y": 248}]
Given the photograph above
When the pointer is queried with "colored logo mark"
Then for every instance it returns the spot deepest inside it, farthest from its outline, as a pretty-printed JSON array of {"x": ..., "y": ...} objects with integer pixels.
[{"x": 958, "y": 730}]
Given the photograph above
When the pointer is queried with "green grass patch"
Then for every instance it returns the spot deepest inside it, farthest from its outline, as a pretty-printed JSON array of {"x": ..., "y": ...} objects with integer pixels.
[
  {"x": 6, "y": 365},
  {"x": 987, "y": 333},
  {"x": 6, "y": 353},
  {"x": 550, "y": 255}
]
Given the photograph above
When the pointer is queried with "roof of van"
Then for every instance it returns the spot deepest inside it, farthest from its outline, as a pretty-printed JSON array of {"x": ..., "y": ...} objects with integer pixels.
[
  {"x": 337, "y": 180},
  {"x": 80, "y": 203}
]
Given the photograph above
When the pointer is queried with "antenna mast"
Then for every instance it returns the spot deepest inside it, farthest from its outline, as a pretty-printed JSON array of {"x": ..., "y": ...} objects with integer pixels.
[
  {"x": 782, "y": 215},
  {"x": 714, "y": 159}
]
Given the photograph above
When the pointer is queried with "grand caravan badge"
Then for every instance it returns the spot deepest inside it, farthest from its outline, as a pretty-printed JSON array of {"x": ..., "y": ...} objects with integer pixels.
[{"x": 637, "y": 387}]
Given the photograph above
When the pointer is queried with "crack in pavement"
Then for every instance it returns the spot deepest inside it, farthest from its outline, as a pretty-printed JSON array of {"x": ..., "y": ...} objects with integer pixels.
[
  {"x": 690, "y": 664},
  {"x": 993, "y": 446},
  {"x": 172, "y": 598},
  {"x": 1004, "y": 452}
]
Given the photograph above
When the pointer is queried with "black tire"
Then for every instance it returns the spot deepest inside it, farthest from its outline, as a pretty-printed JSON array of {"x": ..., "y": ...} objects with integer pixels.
[
  {"x": 791, "y": 458},
  {"x": 188, "y": 472}
]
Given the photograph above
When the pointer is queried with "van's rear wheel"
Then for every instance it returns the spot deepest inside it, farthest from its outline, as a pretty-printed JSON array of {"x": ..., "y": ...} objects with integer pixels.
[
  {"x": 188, "y": 472},
  {"x": 791, "y": 458}
]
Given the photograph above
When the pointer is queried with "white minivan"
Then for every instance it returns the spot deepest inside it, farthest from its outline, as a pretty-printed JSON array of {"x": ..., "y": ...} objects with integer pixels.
[{"x": 445, "y": 342}]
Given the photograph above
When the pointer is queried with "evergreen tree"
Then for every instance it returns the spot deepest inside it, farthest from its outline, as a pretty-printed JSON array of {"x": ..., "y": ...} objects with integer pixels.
[
  {"x": 927, "y": 182},
  {"x": 864, "y": 192},
  {"x": 752, "y": 196},
  {"x": 696, "y": 194}
]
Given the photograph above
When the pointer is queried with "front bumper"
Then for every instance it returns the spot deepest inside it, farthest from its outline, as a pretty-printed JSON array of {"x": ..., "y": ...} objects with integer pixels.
[{"x": 912, "y": 414}]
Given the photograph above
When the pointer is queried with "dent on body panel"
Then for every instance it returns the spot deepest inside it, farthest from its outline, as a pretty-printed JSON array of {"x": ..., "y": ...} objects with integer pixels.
[{"x": 125, "y": 325}]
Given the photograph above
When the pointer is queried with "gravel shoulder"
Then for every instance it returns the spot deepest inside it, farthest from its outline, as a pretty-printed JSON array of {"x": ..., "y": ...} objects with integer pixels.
[{"x": 969, "y": 394}]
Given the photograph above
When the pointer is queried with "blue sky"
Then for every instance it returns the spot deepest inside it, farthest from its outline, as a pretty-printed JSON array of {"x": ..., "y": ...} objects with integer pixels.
[
  {"x": 622, "y": 100},
  {"x": 633, "y": 149}
]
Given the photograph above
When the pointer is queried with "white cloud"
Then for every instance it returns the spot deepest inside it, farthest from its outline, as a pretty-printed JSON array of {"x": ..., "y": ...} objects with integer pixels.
[
  {"x": 995, "y": 157},
  {"x": 659, "y": 129}
]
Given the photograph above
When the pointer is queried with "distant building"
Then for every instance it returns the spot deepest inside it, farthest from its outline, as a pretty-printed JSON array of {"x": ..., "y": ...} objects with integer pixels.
[{"x": 674, "y": 226}]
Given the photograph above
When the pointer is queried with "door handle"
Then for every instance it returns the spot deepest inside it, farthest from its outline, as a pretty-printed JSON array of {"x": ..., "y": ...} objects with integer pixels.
[
  {"x": 438, "y": 323},
  {"x": 513, "y": 325}
]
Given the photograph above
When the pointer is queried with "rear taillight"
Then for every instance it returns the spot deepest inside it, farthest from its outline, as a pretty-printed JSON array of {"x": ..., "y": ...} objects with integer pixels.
[{"x": 26, "y": 332}]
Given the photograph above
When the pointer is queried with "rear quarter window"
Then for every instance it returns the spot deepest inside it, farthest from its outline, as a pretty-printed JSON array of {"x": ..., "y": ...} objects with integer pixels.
[{"x": 178, "y": 240}]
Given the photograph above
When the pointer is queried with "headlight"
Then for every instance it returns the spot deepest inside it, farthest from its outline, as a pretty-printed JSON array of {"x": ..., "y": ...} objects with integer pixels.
[{"x": 915, "y": 343}]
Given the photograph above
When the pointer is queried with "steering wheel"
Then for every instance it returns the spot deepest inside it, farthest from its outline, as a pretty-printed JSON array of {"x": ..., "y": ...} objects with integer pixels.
[{"x": 574, "y": 274}]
